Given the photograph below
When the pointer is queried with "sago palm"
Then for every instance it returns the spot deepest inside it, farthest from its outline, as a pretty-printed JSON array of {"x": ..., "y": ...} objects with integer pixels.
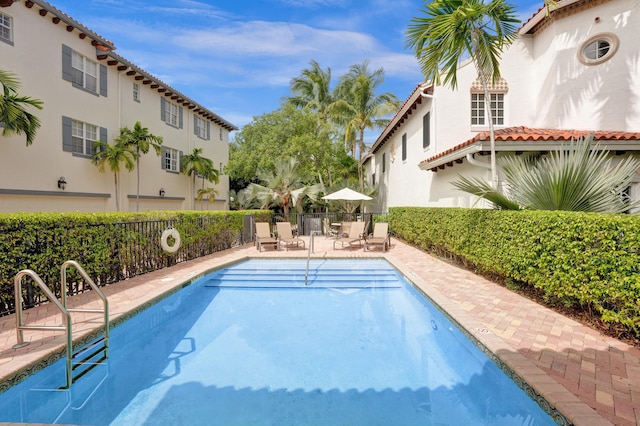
[
  {"x": 284, "y": 186},
  {"x": 578, "y": 177}
]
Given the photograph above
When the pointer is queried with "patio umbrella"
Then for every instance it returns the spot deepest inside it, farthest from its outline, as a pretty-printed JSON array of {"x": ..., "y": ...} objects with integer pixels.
[{"x": 347, "y": 194}]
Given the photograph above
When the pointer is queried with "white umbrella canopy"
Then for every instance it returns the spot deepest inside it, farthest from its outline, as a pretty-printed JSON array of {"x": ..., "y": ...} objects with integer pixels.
[{"x": 347, "y": 194}]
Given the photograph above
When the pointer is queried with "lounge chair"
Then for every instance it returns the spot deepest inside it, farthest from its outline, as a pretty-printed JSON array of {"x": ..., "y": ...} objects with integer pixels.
[
  {"x": 380, "y": 237},
  {"x": 344, "y": 229},
  {"x": 264, "y": 237},
  {"x": 356, "y": 235},
  {"x": 285, "y": 235}
]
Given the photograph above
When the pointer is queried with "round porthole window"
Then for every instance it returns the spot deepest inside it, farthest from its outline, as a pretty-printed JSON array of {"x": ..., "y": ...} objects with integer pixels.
[{"x": 598, "y": 49}]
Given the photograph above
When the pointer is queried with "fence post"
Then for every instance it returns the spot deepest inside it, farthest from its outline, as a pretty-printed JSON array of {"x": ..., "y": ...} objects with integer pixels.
[{"x": 247, "y": 233}]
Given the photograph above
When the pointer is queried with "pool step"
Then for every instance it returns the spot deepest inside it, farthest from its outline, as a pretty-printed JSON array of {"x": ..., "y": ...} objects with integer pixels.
[
  {"x": 297, "y": 277},
  {"x": 88, "y": 357}
]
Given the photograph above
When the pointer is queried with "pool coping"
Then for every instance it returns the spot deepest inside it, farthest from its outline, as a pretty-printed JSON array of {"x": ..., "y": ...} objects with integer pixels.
[
  {"x": 540, "y": 387},
  {"x": 17, "y": 364}
]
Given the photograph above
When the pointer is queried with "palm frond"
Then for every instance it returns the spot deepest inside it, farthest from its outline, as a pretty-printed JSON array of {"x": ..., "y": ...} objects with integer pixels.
[{"x": 482, "y": 189}]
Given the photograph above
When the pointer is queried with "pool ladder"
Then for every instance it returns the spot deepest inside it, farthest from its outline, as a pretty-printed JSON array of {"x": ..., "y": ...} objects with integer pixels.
[{"x": 86, "y": 357}]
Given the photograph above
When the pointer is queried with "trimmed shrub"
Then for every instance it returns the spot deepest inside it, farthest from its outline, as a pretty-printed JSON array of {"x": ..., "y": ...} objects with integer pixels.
[
  {"x": 110, "y": 247},
  {"x": 589, "y": 261}
]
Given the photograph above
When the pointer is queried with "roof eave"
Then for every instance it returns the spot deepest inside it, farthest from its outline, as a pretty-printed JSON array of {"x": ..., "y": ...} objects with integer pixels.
[
  {"x": 62, "y": 17},
  {"x": 149, "y": 77},
  {"x": 520, "y": 146},
  {"x": 542, "y": 14},
  {"x": 408, "y": 105}
]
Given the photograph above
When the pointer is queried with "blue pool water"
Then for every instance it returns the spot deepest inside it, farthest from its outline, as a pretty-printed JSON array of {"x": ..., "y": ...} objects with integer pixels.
[{"x": 253, "y": 345}]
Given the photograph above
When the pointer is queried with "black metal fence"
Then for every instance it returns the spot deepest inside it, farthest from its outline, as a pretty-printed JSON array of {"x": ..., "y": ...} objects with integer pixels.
[
  {"x": 304, "y": 223},
  {"x": 109, "y": 252},
  {"x": 112, "y": 252}
]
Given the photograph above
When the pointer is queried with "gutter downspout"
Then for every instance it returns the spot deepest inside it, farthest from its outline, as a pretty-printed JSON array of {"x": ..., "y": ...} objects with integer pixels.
[{"x": 471, "y": 159}]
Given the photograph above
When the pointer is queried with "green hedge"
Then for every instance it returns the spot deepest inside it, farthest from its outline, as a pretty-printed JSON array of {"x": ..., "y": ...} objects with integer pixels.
[
  {"x": 585, "y": 260},
  {"x": 109, "y": 246}
]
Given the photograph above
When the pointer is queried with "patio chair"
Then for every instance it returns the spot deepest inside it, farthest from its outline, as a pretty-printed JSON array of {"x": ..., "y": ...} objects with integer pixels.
[
  {"x": 380, "y": 237},
  {"x": 264, "y": 237},
  {"x": 356, "y": 236},
  {"x": 285, "y": 235}
]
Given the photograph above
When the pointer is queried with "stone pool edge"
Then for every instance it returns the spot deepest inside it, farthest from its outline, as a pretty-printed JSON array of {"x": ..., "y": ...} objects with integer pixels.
[{"x": 561, "y": 404}]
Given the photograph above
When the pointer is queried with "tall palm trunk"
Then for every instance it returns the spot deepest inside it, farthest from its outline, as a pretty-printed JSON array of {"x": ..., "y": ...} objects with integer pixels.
[
  {"x": 193, "y": 191},
  {"x": 487, "y": 105},
  {"x": 138, "y": 183},
  {"x": 115, "y": 180}
]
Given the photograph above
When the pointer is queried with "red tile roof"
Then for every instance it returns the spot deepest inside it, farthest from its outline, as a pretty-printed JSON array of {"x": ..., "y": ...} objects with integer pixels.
[{"x": 521, "y": 133}]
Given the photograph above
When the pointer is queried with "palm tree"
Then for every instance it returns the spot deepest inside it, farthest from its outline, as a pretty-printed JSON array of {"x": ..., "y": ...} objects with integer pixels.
[
  {"x": 142, "y": 141},
  {"x": 453, "y": 30},
  {"x": 194, "y": 165},
  {"x": 312, "y": 93},
  {"x": 113, "y": 156},
  {"x": 359, "y": 108},
  {"x": 13, "y": 109},
  {"x": 242, "y": 200},
  {"x": 207, "y": 193},
  {"x": 283, "y": 187},
  {"x": 575, "y": 178},
  {"x": 312, "y": 90}
]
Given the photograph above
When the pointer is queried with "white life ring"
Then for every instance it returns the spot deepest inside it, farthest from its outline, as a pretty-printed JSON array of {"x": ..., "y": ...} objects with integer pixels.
[{"x": 170, "y": 232}]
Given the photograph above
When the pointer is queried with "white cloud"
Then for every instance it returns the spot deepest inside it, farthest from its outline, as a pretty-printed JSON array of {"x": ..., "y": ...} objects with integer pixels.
[{"x": 242, "y": 68}]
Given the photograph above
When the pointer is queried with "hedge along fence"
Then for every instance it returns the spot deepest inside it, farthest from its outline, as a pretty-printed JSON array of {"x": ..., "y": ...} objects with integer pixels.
[
  {"x": 585, "y": 260},
  {"x": 110, "y": 247}
]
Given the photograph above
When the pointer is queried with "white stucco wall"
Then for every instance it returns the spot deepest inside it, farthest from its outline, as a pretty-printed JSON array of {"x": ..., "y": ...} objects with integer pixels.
[
  {"x": 548, "y": 88},
  {"x": 571, "y": 94}
]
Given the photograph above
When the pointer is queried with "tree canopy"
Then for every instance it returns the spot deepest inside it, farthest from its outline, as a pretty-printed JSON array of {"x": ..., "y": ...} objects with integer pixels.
[{"x": 311, "y": 127}]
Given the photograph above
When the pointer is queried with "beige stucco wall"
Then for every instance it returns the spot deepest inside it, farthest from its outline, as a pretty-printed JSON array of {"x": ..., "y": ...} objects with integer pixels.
[{"x": 36, "y": 59}]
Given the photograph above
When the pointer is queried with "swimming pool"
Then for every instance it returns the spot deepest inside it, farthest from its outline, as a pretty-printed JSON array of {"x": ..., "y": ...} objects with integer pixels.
[{"x": 253, "y": 345}]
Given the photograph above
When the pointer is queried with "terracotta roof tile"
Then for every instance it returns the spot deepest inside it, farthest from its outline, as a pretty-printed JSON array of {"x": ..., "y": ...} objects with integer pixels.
[{"x": 522, "y": 133}]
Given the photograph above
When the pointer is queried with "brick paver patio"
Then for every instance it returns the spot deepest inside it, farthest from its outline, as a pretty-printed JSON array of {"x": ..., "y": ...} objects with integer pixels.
[{"x": 590, "y": 378}]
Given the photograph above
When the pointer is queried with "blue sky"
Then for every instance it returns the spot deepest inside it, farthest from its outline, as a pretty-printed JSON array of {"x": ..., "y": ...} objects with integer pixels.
[{"x": 237, "y": 57}]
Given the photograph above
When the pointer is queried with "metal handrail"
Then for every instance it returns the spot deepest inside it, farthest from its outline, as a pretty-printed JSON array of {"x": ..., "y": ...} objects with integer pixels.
[
  {"x": 105, "y": 302},
  {"x": 306, "y": 274},
  {"x": 53, "y": 299},
  {"x": 62, "y": 306}
]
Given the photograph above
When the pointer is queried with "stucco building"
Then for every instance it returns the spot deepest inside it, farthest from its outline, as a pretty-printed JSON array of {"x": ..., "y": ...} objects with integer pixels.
[
  {"x": 572, "y": 70},
  {"x": 90, "y": 93}
]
